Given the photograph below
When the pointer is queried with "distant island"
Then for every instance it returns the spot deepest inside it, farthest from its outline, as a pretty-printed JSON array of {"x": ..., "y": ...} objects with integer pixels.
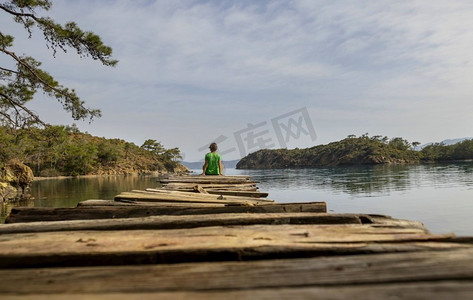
[{"x": 363, "y": 150}]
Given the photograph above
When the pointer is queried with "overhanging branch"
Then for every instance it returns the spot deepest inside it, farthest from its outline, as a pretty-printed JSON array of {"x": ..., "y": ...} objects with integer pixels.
[
  {"x": 7, "y": 116},
  {"x": 8, "y": 70},
  {"x": 32, "y": 71},
  {"x": 40, "y": 80},
  {"x": 18, "y": 14},
  {"x": 16, "y": 104}
]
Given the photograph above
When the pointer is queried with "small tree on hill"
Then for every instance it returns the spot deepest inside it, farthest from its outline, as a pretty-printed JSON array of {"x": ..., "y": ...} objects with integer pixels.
[
  {"x": 399, "y": 143},
  {"x": 153, "y": 146}
]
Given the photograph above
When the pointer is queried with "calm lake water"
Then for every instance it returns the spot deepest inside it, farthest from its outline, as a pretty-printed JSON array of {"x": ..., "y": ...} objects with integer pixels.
[{"x": 440, "y": 195}]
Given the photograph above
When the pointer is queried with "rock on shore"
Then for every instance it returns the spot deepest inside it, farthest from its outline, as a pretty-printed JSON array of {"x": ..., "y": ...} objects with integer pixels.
[{"x": 15, "y": 178}]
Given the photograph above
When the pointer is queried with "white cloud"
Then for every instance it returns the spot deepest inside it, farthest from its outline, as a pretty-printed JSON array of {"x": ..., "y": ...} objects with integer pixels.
[{"x": 234, "y": 62}]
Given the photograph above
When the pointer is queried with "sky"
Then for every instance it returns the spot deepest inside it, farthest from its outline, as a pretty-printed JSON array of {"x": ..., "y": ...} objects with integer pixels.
[{"x": 265, "y": 74}]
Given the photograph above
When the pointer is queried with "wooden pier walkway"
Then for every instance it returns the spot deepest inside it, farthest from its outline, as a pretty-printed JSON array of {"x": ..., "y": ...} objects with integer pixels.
[{"x": 182, "y": 242}]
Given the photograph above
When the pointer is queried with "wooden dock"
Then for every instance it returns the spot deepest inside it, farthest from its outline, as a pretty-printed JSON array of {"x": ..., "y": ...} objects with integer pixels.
[{"x": 183, "y": 242}]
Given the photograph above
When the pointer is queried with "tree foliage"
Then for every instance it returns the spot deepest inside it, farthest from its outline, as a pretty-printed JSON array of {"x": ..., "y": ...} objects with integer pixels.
[
  {"x": 153, "y": 146},
  {"x": 63, "y": 150},
  {"x": 354, "y": 150},
  {"x": 19, "y": 84},
  {"x": 169, "y": 156},
  {"x": 441, "y": 152}
]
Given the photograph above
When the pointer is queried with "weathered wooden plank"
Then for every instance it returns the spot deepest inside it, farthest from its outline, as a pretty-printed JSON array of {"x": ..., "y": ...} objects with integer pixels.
[
  {"x": 252, "y": 194},
  {"x": 144, "y": 209},
  {"x": 131, "y": 203},
  {"x": 152, "y": 191},
  {"x": 207, "y": 180},
  {"x": 175, "y": 222},
  {"x": 175, "y": 196},
  {"x": 458, "y": 290},
  {"x": 183, "y": 199},
  {"x": 381, "y": 220},
  {"x": 209, "y": 244},
  {"x": 185, "y": 186},
  {"x": 416, "y": 271},
  {"x": 98, "y": 202},
  {"x": 199, "y": 189},
  {"x": 191, "y": 189}
]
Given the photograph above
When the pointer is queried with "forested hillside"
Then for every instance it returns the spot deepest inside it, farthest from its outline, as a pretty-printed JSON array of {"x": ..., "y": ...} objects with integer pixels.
[
  {"x": 357, "y": 151},
  {"x": 64, "y": 150},
  {"x": 441, "y": 152}
]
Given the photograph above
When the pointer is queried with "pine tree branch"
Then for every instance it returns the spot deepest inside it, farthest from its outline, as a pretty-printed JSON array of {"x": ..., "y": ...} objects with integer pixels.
[
  {"x": 15, "y": 104},
  {"x": 29, "y": 78},
  {"x": 71, "y": 35},
  {"x": 32, "y": 71},
  {"x": 77, "y": 108},
  {"x": 18, "y": 14},
  {"x": 8, "y": 70},
  {"x": 7, "y": 116}
]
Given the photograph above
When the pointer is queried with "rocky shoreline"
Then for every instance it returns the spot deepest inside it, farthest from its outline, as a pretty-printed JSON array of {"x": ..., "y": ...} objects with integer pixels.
[{"x": 15, "y": 177}]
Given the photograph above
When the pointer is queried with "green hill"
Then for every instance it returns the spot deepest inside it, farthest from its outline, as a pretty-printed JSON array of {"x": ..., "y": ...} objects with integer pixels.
[
  {"x": 64, "y": 150},
  {"x": 362, "y": 150},
  {"x": 350, "y": 151}
]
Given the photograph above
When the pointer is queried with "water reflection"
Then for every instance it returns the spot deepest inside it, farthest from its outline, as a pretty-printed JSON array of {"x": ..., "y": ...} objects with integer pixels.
[
  {"x": 439, "y": 195},
  {"x": 70, "y": 191},
  {"x": 366, "y": 181}
]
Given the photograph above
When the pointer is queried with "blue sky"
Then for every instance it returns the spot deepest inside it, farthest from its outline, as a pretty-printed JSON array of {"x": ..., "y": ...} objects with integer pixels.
[{"x": 191, "y": 71}]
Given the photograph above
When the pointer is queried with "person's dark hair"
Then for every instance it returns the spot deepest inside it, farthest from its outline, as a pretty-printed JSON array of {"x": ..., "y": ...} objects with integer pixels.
[{"x": 213, "y": 147}]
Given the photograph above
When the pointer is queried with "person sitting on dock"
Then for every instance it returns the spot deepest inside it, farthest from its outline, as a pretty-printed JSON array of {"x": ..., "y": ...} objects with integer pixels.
[{"x": 213, "y": 162}]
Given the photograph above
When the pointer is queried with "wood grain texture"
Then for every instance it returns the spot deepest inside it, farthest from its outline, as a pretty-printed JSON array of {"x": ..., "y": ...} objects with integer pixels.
[
  {"x": 151, "y": 191},
  {"x": 190, "y": 187},
  {"x": 132, "y": 203},
  {"x": 207, "y": 180},
  {"x": 228, "y": 192},
  {"x": 176, "y": 222},
  {"x": 174, "y": 196},
  {"x": 443, "y": 290},
  {"x": 193, "y": 221},
  {"x": 408, "y": 274},
  {"x": 144, "y": 209},
  {"x": 210, "y": 244}
]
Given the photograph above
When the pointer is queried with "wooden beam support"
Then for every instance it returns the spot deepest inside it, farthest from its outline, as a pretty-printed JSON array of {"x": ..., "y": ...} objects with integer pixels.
[
  {"x": 178, "y": 222},
  {"x": 145, "y": 209}
]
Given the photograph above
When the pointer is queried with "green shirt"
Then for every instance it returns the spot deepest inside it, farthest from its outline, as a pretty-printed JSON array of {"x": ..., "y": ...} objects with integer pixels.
[{"x": 212, "y": 160}]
